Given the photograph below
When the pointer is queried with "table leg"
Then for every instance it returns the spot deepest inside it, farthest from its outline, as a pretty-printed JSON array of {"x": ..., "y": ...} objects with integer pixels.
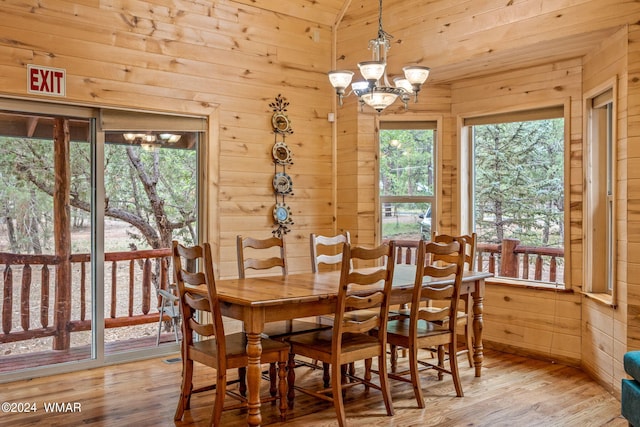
[
  {"x": 478, "y": 322},
  {"x": 254, "y": 372},
  {"x": 282, "y": 388}
]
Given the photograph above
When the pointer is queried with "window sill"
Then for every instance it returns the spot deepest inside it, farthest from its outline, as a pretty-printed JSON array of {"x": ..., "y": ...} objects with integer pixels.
[
  {"x": 604, "y": 299},
  {"x": 538, "y": 286}
]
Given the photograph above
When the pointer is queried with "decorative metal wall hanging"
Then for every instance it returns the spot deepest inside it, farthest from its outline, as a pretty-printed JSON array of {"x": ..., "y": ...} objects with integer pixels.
[{"x": 282, "y": 182}]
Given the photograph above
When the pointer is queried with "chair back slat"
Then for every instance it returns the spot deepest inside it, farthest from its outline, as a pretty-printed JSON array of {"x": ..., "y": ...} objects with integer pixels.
[
  {"x": 202, "y": 329},
  {"x": 359, "y": 303},
  {"x": 443, "y": 299},
  {"x": 268, "y": 246},
  {"x": 357, "y": 278},
  {"x": 470, "y": 243},
  {"x": 435, "y": 314},
  {"x": 368, "y": 292},
  {"x": 360, "y": 326},
  {"x": 327, "y": 250}
]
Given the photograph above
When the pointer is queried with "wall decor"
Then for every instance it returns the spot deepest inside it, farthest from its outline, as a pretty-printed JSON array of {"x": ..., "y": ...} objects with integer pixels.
[{"x": 282, "y": 182}]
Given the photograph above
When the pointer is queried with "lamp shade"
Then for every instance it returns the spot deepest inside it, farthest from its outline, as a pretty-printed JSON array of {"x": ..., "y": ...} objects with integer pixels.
[
  {"x": 416, "y": 74},
  {"x": 403, "y": 83},
  {"x": 340, "y": 79},
  {"x": 379, "y": 100},
  {"x": 371, "y": 70}
]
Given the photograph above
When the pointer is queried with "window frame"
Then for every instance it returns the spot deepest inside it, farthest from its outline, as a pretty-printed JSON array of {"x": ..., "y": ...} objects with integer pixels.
[
  {"x": 467, "y": 168},
  {"x": 104, "y": 119},
  {"x": 416, "y": 123},
  {"x": 600, "y": 104}
]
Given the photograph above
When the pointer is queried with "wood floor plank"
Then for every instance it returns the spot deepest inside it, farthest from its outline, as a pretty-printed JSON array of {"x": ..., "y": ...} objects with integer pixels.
[{"x": 513, "y": 391}]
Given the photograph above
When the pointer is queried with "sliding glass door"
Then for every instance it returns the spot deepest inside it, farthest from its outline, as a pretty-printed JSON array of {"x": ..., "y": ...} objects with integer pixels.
[
  {"x": 45, "y": 237},
  {"x": 90, "y": 201}
]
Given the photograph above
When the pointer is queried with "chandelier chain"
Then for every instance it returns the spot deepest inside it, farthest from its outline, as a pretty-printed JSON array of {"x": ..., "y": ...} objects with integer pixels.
[{"x": 382, "y": 34}]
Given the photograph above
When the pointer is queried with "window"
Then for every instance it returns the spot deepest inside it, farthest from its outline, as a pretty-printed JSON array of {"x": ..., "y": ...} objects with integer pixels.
[
  {"x": 407, "y": 180},
  {"x": 517, "y": 188},
  {"x": 600, "y": 203}
]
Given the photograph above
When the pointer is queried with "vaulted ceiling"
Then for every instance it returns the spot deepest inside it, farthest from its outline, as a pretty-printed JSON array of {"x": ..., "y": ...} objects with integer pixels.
[{"x": 462, "y": 38}]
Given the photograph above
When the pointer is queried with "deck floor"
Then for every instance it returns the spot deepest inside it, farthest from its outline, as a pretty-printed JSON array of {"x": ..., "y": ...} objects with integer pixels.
[{"x": 17, "y": 362}]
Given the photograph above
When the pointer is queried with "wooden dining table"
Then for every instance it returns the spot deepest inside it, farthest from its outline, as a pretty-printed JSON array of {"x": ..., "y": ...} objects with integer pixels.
[{"x": 260, "y": 300}]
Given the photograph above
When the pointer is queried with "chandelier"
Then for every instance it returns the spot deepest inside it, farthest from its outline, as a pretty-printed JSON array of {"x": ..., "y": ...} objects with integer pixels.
[{"x": 375, "y": 90}]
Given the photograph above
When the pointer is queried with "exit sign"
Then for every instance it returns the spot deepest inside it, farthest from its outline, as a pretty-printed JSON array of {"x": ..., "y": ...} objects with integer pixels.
[{"x": 46, "y": 80}]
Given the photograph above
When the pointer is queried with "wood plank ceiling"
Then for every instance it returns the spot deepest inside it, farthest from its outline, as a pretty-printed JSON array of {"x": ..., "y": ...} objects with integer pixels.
[{"x": 465, "y": 38}]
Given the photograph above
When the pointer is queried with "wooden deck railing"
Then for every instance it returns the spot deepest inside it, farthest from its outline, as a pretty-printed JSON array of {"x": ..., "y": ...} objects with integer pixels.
[
  {"x": 132, "y": 273},
  {"x": 137, "y": 267},
  {"x": 517, "y": 261}
]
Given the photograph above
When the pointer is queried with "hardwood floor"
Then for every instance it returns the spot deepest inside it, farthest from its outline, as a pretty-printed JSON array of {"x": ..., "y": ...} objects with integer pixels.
[{"x": 513, "y": 391}]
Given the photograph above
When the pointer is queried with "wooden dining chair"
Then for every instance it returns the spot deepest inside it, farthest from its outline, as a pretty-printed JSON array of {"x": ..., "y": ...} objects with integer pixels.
[
  {"x": 406, "y": 252},
  {"x": 327, "y": 250},
  {"x": 427, "y": 327},
  {"x": 269, "y": 260},
  {"x": 213, "y": 348},
  {"x": 266, "y": 254},
  {"x": 350, "y": 339},
  {"x": 464, "y": 313}
]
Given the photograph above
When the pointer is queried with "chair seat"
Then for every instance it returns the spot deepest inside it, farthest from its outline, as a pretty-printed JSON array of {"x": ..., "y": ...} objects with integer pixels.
[
  {"x": 317, "y": 345},
  {"x": 405, "y": 312},
  {"x": 398, "y": 330},
  {"x": 236, "y": 350},
  {"x": 356, "y": 315},
  {"x": 286, "y": 328}
]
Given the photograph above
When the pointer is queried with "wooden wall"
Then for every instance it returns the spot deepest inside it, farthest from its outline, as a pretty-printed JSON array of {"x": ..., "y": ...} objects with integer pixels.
[
  {"x": 632, "y": 109},
  {"x": 604, "y": 329},
  {"x": 546, "y": 323},
  {"x": 228, "y": 60},
  {"x": 557, "y": 325},
  {"x": 220, "y": 59}
]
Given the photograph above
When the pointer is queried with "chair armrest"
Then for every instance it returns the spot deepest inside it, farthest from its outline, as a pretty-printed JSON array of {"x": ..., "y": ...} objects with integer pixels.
[{"x": 631, "y": 361}]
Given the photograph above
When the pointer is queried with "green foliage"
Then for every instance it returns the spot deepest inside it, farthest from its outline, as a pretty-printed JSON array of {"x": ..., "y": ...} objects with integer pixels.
[
  {"x": 28, "y": 209},
  {"x": 519, "y": 182},
  {"x": 406, "y": 163},
  {"x": 164, "y": 208}
]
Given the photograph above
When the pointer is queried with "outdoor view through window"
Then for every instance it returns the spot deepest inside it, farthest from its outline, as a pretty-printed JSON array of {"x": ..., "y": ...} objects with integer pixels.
[
  {"x": 48, "y": 235},
  {"x": 518, "y": 198},
  {"x": 407, "y": 179}
]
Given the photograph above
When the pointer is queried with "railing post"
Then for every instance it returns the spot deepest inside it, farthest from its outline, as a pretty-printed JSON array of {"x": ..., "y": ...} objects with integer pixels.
[
  {"x": 508, "y": 258},
  {"x": 539, "y": 267},
  {"x": 25, "y": 292},
  {"x": 7, "y": 300},
  {"x": 62, "y": 232},
  {"x": 44, "y": 296},
  {"x": 552, "y": 269}
]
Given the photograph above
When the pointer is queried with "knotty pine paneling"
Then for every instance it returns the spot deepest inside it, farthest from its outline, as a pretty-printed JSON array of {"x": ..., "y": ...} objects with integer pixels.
[
  {"x": 228, "y": 59},
  {"x": 466, "y": 39},
  {"x": 600, "y": 335},
  {"x": 324, "y": 11},
  {"x": 544, "y": 323},
  {"x": 198, "y": 58}
]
